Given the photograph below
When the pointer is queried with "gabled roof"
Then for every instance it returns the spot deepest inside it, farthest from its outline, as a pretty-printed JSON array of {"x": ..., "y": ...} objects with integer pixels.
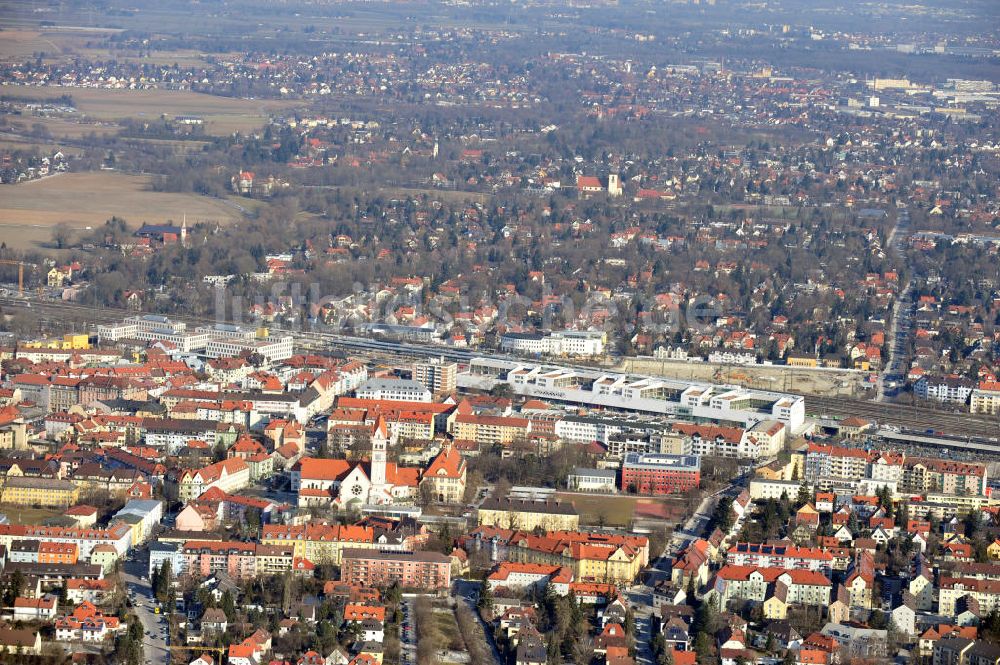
[
  {"x": 448, "y": 464},
  {"x": 323, "y": 469}
]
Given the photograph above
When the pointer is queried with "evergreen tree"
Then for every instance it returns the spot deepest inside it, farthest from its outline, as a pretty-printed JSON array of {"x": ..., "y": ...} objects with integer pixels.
[
  {"x": 228, "y": 605},
  {"x": 703, "y": 647},
  {"x": 804, "y": 496},
  {"x": 485, "y": 601},
  {"x": 163, "y": 582}
]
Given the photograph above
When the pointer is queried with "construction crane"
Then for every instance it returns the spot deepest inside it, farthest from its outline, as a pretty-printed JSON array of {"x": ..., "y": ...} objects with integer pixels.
[
  {"x": 218, "y": 650},
  {"x": 20, "y": 272}
]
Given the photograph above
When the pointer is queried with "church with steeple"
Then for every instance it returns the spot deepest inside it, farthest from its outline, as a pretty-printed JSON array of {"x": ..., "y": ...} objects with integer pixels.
[{"x": 378, "y": 482}]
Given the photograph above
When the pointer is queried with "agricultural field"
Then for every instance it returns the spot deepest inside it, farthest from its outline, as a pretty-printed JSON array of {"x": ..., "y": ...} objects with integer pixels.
[
  {"x": 54, "y": 43},
  {"x": 221, "y": 115},
  {"x": 56, "y": 128},
  {"x": 30, "y": 211}
]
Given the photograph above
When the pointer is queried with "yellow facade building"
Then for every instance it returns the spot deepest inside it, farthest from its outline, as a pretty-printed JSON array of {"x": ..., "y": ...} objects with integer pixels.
[
  {"x": 46, "y": 492},
  {"x": 318, "y": 542},
  {"x": 69, "y": 342},
  {"x": 526, "y": 515}
]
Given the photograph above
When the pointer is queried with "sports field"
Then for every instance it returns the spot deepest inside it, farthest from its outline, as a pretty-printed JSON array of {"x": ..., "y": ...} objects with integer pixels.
[{"x": 616, "y": 510}]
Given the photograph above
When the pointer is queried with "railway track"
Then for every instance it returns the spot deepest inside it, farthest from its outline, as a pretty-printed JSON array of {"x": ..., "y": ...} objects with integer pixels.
[
  {"x": 905, "y": 415},
  {"x": 901, "y": 415}
]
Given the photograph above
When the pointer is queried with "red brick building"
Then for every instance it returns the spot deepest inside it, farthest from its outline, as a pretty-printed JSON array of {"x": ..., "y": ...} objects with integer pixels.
[{"x": 653, "y": 473}]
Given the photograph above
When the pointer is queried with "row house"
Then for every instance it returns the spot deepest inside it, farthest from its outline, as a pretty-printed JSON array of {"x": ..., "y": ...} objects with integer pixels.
[
  {"x": 608, "y": 558},
  {"x": 802, "y": 587},
  {"x": 788, "y": 557},
  {"x": 118, "y": 536},
  {"x": 318, "y": 542},
  {"x": 229, "y": 475}
]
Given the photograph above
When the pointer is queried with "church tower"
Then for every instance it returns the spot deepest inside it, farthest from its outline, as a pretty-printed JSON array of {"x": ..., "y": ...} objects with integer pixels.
[
  {"x": 614, "y": 185},
  {"x": 380, "y": 441}
]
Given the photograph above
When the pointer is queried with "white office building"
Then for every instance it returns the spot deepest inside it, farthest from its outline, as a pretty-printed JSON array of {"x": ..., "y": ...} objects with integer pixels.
[
  {"x": 272, "y": 348},
  {"x": 703, "y": 402},
  {"x": 154, "y": 328},
  {"x": 403, "y": 390},
  {"x": 560, "y": 343}
]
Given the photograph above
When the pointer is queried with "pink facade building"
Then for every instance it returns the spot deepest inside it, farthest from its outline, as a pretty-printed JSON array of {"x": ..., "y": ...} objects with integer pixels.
[
  {"x": 429, "y": 571},
  {"x": 205, "y": 557}
]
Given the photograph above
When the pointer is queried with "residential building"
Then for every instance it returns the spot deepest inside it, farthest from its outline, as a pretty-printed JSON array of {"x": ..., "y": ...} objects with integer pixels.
[
  {"x": 425, "y": 570},
  {"x": 273, "y": 349},
  {"x": 394, "y": 390},
  {"x": 86, "y": 624},
  {"x": 801, "y": 587},
  {"x": 26, "y": 641},
  {"x": 229, "y": 475},
  {"x": 437, "y": 375},
  {"x": 489, "y": 430},
  {"x": 317, "y": 541},
  {"x": 522, "y": 577},
  {"x": 787, "y": 557},
  {"x": 48, "y": 492},
  {"x": 559, "y": 343},
  {"x": 118, "y": 535},
  {"x": 204, "y": 558},
  {"x": 591, "y": 557},
  {"x": 49, "y": 552},
  {"x": 986, "y": 398},
  {"x": 986, "y": 593},
  {"x": 952, "y": 389},
  {"x": 445, "y": 477}
]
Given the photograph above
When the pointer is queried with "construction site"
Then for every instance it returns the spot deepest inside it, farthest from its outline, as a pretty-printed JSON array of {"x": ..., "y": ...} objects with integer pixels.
[{"x": 782, "y": 378}]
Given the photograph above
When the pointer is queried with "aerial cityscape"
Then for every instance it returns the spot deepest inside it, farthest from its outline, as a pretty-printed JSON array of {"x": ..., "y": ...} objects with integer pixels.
[{"x": 469, "y": 332}]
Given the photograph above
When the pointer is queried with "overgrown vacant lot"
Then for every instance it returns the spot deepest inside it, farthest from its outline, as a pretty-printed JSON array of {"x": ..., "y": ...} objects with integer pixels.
[
  {"x": 29, "y": 211},
  {"x": 222, "y": 115}
]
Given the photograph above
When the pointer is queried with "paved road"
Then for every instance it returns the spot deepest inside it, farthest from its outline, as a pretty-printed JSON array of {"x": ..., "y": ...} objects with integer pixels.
[
  {"x": 643, "y": 634},
  {"x": 899, "y": 326},
  {"x": 695, "y": 526},
  {"x": 408, "y": 633},
  {"x": 154, "y": 634}
]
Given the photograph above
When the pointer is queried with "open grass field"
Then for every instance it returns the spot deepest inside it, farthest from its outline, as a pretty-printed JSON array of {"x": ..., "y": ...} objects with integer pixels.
[
  {"x": 222, "y": 115},
  {"x": 34, "y": 516},
  {"x": 29, "y": 211},
  {"x": 446, "y": 624}
]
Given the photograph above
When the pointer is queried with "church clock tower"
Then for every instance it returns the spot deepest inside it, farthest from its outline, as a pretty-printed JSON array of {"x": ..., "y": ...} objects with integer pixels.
[{"x": 380, "y": 441}]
